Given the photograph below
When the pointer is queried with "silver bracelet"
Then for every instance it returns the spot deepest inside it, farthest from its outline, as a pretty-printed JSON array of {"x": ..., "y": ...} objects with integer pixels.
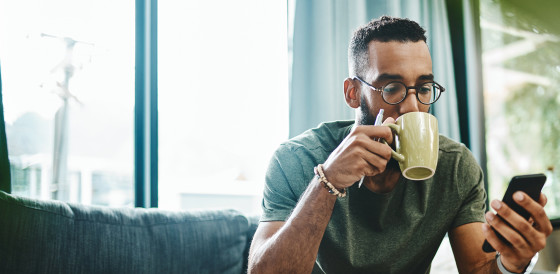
[{"x": 527, "y": 270}]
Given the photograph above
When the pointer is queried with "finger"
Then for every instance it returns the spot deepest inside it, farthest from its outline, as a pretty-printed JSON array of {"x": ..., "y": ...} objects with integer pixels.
[
  {"x": 508, "y": 233},
  {"x": 524, "y": 228},
  {"x": 508, "y": 214},
  {"x": 368, "y": 157},
  {"x": 366, "y": 147},
  {"x": 389, "y": 120},
  {"x": 376, "y": 155},
  {"x": 542, "y": 223},
  {"x": 375, "y": 132},
  {"x": 493, "y": 239},
  {"x": 543, "y": 199}
]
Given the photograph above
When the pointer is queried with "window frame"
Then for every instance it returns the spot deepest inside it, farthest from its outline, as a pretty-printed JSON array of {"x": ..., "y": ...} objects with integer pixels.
[{"x": 145, "y": 109}]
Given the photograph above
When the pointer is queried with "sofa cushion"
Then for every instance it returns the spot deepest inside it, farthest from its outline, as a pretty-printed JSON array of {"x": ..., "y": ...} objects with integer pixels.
[{"x": 39, "y": 236}]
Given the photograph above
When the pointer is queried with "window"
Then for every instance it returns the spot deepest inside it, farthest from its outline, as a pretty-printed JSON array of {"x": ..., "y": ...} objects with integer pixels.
[
  {"x": 68, "y": 86},
  {"x": 223, "y": 100},
  {"x": 69, "y": 99},
  {"x": 521, "y": 57}
]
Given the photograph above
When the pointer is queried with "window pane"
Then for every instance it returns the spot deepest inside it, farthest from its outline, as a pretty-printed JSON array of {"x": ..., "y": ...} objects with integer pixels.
[
  {"x": 68, "y": 84},
  {"x": 521, "y": 59},
  {"x": 223, "y": 100}
]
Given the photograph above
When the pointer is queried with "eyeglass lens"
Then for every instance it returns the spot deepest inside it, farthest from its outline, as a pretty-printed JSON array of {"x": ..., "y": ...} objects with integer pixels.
[{"x": 395, "y": 92}]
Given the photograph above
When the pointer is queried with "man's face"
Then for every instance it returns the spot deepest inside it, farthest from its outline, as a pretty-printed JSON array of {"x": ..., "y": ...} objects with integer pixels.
[{"x": 409, "y": 63}]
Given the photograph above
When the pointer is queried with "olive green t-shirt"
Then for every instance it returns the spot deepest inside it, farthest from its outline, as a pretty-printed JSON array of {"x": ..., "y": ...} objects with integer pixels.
[{"x": 397, "y": 232}]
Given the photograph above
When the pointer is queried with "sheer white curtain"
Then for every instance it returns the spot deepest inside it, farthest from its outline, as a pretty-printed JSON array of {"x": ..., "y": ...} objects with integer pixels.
[{"x": 321, "y": 33}]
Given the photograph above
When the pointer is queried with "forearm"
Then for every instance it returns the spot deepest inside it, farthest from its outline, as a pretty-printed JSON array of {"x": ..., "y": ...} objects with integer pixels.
[
  {"x": 489, "y": 266},
  {"x": 293, "y": 248}
]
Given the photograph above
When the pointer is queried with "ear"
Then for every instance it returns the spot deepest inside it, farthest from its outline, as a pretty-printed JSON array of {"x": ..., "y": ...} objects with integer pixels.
[{"x": 351, "y": 93}]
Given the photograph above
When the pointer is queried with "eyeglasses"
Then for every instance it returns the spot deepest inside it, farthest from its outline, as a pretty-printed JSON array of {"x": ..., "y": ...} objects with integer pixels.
[{"x": 394, "y": 92}]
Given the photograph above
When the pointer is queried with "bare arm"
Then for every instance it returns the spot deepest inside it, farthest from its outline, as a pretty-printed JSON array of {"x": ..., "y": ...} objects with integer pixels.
[
  {"x": 292, "y": 246},
  {"x": 466, "y": 242}
]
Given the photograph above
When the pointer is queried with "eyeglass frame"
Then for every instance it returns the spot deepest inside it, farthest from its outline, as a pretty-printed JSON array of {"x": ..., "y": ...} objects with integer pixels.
[{"x": 406, "y": 88}]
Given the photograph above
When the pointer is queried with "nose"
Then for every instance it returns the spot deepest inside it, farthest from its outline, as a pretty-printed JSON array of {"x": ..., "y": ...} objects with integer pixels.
[{"x": 410, "y": 103}]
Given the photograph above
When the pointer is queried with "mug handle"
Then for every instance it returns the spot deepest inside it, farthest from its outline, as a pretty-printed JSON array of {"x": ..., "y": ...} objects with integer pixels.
[{"x": 397, "y": 156}]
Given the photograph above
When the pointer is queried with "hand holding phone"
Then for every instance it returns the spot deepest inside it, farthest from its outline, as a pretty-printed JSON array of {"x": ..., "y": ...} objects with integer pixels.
[{"x": 530, "y": 184}]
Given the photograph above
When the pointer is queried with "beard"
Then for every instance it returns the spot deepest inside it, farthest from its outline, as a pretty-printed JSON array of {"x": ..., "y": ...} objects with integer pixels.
[{"x": 366, "y": 118}]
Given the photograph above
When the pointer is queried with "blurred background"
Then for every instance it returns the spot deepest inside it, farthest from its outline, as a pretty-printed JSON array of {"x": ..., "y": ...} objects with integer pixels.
[{"x": 180, "y": 104}]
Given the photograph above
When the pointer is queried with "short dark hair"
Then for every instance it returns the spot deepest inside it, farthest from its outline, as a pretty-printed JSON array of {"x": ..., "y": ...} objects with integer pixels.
[{"x": 384, "y": 29}]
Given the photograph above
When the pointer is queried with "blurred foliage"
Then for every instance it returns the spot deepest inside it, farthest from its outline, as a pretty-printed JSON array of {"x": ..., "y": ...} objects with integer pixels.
[
  {"x": 544, "y": 62},
  {"x": 494, "y": 39},
  {"x": 530, "y": 111},
  {"x": 539, "y": 16},
  {"x": 533, "y": 116}
]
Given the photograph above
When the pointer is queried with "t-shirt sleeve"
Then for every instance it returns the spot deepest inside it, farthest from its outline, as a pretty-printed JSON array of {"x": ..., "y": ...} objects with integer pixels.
[
  {"x": 471, "y": 184},
  {"x": 285, "y": 181}
]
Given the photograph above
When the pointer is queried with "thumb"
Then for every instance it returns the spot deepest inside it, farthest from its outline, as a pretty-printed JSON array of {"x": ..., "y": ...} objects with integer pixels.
[{"x": 389, "y": 120}]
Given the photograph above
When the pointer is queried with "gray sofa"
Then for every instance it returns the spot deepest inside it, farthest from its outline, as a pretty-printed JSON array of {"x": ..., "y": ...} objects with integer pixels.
[{"x": 39, "y": 236}]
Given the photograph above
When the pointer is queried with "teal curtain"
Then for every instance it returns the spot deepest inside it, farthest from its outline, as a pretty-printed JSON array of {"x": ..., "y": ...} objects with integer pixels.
[
  {"x": 473, "y": 71},
  {"x": 5, "y": 184},
  {"x": 322, "y": 30},
  {"x": 321, "y": 33}
]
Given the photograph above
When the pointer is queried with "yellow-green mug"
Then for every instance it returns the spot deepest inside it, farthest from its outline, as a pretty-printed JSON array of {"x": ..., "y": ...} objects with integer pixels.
[{"x": 416, "y": 139}]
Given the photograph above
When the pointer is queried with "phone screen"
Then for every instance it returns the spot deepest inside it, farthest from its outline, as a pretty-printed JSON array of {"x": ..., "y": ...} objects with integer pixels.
[{"x": 530, "y": 184}]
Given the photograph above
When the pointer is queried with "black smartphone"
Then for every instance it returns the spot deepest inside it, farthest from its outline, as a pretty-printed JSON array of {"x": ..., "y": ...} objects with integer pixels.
[{"x": 530, "y": 184}]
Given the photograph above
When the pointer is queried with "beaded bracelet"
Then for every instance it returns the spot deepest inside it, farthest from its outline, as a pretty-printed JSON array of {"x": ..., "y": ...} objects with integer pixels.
[{"x": 321, "y": 177}]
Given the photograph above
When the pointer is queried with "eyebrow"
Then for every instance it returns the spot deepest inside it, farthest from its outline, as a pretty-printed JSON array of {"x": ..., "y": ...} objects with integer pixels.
[
  {"x": 388, "y": 76},
  {"x": 429, "y": 77}
]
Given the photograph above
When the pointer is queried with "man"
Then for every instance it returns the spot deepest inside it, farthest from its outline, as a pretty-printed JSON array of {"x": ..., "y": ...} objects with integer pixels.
[{"x": 389, "y": 224}]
